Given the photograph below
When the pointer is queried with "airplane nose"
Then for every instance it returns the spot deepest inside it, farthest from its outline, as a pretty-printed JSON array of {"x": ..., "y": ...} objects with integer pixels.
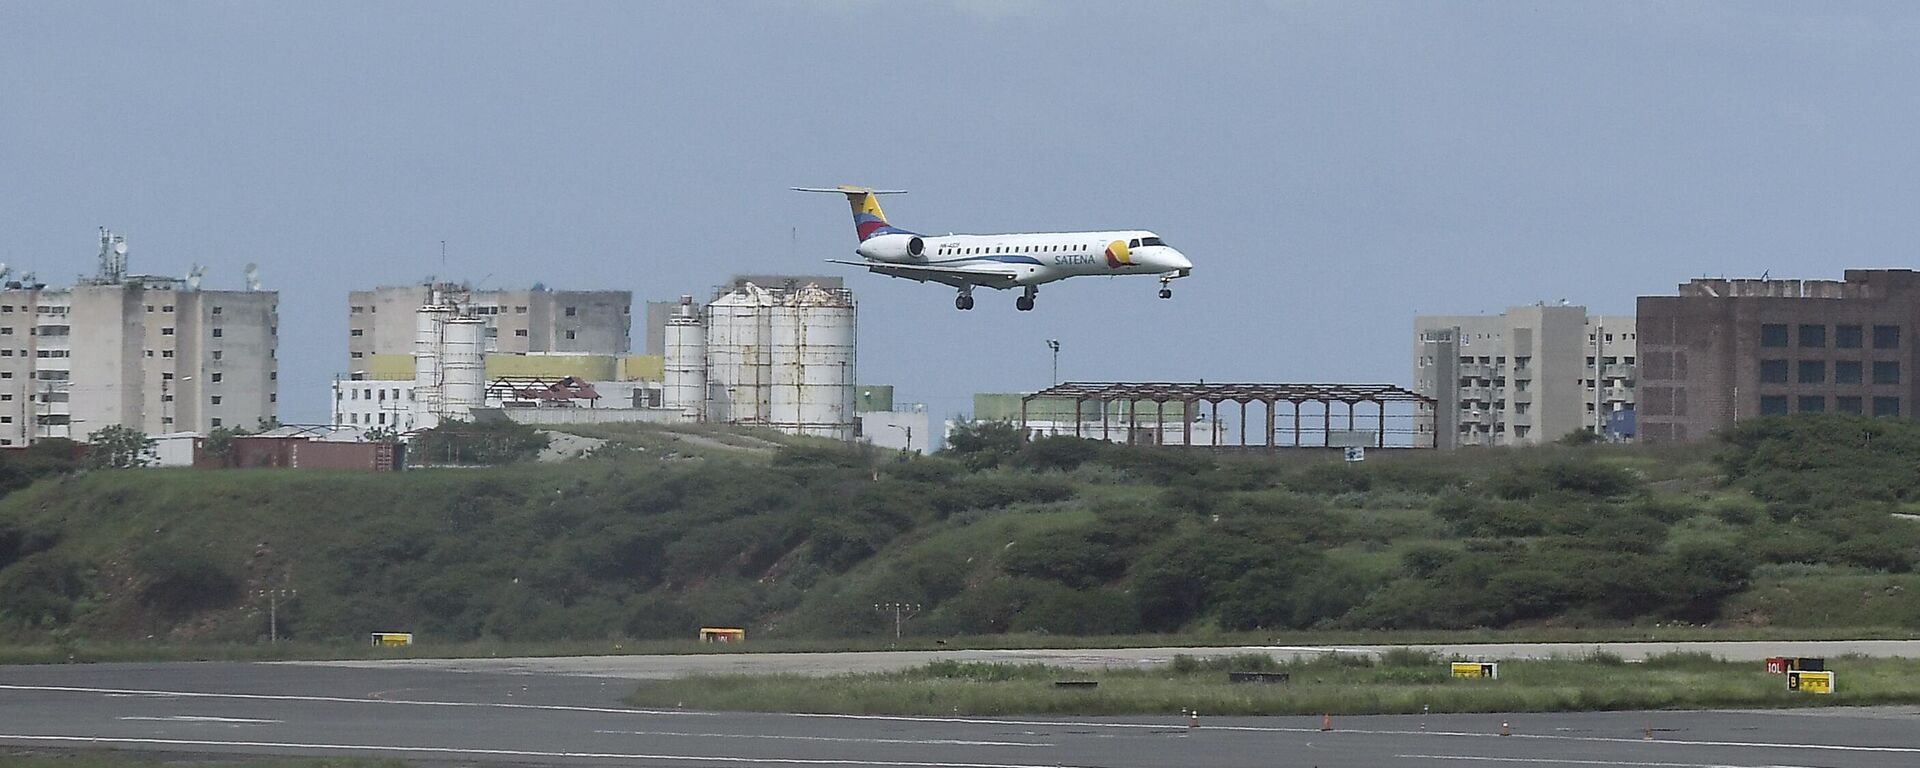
[{"x": 1178, "y": 260}]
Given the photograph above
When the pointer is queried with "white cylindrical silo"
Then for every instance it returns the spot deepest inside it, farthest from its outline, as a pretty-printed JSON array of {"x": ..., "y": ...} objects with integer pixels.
[
  {"x": 738, "y": 362},
  {"x": 684, "y": 369},
  {"x": 428, "y": 341},
  {"x": 463, "y": 378},
  {"x": 812, "y": 342}
]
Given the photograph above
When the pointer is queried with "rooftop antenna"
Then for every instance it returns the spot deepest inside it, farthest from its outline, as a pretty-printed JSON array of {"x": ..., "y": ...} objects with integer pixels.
[
  {"x": 4, "y": 271},
  {"x": 443, "y": 256},
  {"x": 193, "y": 276},
  {"x": 113, "y": 257},
  {"x": 253, "y": 276}
]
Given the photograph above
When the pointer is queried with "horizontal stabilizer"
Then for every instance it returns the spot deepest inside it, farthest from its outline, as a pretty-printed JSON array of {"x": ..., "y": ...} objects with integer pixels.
[{"x": 850, "y": 190}]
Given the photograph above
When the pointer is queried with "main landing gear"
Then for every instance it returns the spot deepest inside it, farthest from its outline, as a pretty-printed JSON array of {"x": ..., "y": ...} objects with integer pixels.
[
  {"x": 964, "y": 301},
  {"x": 1025, "y": 302}
]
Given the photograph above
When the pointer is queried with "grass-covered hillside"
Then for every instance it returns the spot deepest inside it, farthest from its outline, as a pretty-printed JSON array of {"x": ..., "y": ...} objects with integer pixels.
[{"x": 1795, "y": 522}]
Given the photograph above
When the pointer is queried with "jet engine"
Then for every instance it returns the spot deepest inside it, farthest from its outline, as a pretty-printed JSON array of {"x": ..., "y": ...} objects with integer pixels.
[{"x": 893, "y": 248}]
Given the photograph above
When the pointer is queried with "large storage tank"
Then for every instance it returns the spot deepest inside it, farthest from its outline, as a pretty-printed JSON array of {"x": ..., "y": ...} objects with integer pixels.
[
  {"x": 463, "y": 378},
  {"x": 683, "y": 375},
  {"x": 428, "y": 342},
  {"x": 739, "y": 375},
  {"x": 813, "y": 364}
]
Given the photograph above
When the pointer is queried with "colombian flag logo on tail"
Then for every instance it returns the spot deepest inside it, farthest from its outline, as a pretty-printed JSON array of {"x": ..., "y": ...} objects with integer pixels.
[{"x": 1118, "y": 256}]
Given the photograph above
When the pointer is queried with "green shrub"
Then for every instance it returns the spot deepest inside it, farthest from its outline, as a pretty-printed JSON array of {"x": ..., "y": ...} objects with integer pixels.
[{"x": 181, "y": 581}]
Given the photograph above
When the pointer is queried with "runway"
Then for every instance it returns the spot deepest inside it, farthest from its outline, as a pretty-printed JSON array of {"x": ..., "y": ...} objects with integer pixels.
[{"x": 435, "y": 715}]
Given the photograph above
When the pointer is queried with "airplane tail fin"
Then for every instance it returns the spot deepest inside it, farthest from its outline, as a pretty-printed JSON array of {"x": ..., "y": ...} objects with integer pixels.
[{"x": 868, "y": 220}]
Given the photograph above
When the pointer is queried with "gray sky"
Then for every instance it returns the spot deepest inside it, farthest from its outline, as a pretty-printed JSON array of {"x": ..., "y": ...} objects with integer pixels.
[{"x": 1331, "y": 168}]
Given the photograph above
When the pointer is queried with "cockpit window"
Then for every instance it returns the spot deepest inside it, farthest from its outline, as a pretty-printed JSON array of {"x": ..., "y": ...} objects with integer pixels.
[
  {"x": 1145, "y": 241},
  {"x": 1134, "y": 243}
]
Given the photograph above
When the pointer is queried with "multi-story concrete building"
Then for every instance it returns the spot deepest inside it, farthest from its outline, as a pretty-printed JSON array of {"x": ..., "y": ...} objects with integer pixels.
[
  {"x": 1526, "y": 376},
  {"x": 1723, "y": 350},
  {"x": 383, "y": 321},
  {"x": 157, "y": 354}
]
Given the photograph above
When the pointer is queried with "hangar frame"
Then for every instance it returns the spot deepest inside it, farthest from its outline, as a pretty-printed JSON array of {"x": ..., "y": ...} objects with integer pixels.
[{"x": 1190, "y": 395}]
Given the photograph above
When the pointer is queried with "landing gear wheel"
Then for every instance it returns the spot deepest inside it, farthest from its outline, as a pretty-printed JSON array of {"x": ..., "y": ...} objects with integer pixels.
[
  {"x": 963, "y": 302},
  {"x": 1166, "y": 293},
  {"x": 1024, "y": 303}
]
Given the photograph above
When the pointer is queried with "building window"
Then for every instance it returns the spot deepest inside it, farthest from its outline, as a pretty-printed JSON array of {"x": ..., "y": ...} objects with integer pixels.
[
  {"x": 1886, "y": 372},
  {"x": 1886, "y": 406},
  {"x": 166, "y": 353},
  {"x": 1813, "y": 336},
  {"x": 357, "y": 355},
  {"x": 1773, "y": 405},
  {"x": 167, "y": 308},
  {"x": 216, "y": 422},
  {"x": 1846, "y": 404},
  {"x": 1846, "y": 336},
  {"x": 1773, "y": 335},
  {"x": 571, "y": 311},
  {"x": 356, "y": 332},
  {"x": 1846, "y": 372},
  {"x": 217, "y": 353},
  {"x": 1813, "y": 404},
  {"x": 215, "y": 399},
  {"x": 571, "y": 335},
  {"x": 521, "y": 332},
  {"x": 1886, "y": 337},
  {"x": 519, "y": 310},
  {"x": 216, "y": 378},
  {"x": 1813, "y": 371},
  {"x": 166, "y": 331},
  {"x": 1773, "y": 371},
  {"x": 216, "y": 333},
  {"x": 6, "y": 331},
  {"x": 216, "y": 310},
  {"x": 354, "y": 310}
]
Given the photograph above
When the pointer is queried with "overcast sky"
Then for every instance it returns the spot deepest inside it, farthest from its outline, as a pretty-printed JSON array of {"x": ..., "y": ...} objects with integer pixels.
[{"x": 1332, "y": 168}]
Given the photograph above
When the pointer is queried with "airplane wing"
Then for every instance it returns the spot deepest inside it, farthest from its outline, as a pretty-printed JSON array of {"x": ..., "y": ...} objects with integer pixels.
[{"x": 953, "y": 276}]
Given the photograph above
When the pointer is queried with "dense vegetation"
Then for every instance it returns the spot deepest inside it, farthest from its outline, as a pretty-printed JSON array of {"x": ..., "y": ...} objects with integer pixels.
[{"x": 1796, "y": 522}]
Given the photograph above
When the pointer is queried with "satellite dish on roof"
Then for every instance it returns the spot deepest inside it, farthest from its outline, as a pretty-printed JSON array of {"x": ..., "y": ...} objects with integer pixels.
[
  {"x": 120, "y": 247},
  {"x": 253, "y": 276}
]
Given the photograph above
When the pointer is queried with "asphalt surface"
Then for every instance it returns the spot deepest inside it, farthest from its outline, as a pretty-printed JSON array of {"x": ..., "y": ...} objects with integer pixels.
[
  {"x": 660, "y": 667},
  {"x": 427, "y": 714}
]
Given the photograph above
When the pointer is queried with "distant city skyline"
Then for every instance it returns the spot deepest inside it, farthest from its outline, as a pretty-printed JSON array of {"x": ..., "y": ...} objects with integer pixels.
[{"x": 1332, "y": 169}]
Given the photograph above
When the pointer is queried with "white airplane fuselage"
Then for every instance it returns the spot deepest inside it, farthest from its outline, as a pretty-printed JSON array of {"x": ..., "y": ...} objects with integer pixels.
[{"x": 1035, "y": 258}]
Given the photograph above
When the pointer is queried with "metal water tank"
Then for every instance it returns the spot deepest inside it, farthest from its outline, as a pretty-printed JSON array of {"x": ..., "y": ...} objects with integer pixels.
[
  {"x": 684, "y": 369},
  {"x": 428, "y": 342},
  {"x": 739, "y": 375},
  {"x": 813, "y": 346},
  {"x": 463, "y": 360}
]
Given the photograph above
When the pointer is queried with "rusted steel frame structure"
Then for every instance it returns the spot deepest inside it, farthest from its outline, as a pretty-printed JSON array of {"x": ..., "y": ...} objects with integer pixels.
[{"x": 1191, "y": 395}]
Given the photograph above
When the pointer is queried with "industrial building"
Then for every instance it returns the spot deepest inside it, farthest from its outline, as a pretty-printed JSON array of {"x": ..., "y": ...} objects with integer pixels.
[
  {"x": 1722, "y": 350},
  {"x": 659, "y": 312},
  {"x": 883, "y": 423},
  {"x": 782, "y": 358},
  {"x": 382, "y": 323},
  {"x": 155, "y": 353},
  {"x": 1527, "y": 376}
]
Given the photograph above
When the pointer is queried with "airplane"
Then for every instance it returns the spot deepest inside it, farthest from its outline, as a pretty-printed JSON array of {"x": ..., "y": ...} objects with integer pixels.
[{"x": 1026, "y": 261}]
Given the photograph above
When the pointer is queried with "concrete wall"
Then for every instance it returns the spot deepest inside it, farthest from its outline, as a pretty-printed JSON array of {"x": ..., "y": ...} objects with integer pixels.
[{"x": 381, "y": 321}]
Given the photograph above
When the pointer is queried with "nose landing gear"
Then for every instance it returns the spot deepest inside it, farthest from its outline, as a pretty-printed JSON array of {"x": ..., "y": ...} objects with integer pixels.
[{"x": 1025, "y": 302}]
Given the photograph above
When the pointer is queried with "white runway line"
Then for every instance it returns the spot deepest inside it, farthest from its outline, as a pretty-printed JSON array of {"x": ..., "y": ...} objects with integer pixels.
[
  {"x": 203, "y": 719},
  {"x": 718, "y": 759},
  {"x": 1583, "y": 763},
  {"x": 944, "y": 742}
]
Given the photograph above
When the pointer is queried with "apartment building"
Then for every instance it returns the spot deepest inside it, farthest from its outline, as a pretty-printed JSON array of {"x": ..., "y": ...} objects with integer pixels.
[
  {"x": 1722, "y": 350},
  {"x": 154, "y": 353},
  {"x": 383, "y": 321},
  {"x": 1527, "y": 376}
]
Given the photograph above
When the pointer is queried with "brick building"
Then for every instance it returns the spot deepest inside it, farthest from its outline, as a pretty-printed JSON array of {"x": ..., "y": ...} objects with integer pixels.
[{"x": 1723, "y": 350}]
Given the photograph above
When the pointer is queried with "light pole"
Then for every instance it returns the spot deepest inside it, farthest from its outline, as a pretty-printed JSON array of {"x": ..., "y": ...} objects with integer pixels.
[
  {"x": 273, "y": 611},
  {"x": 1054, "y": 344},
  {"x": 901, "y": 612},
  {"x": 908, "y": 428}
]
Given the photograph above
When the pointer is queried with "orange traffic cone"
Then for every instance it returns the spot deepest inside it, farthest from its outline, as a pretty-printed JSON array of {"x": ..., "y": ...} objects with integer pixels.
[{"x": 1326, "y": 722}]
